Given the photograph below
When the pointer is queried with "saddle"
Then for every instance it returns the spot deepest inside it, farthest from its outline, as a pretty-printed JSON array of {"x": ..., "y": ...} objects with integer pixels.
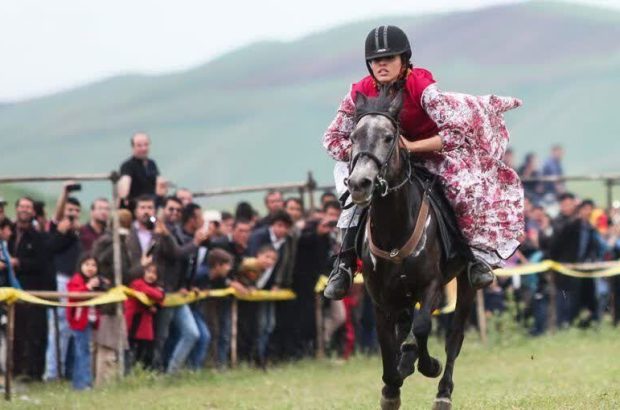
[{"x": 452, "y": 240}]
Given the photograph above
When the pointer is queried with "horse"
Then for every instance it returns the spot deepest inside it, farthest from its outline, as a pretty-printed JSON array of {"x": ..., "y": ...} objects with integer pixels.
[{"x": 401, "y": 252}]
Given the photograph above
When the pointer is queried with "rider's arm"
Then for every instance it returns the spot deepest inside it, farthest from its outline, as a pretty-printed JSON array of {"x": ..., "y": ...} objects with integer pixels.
[
  {"x": 431, "y": 144},
  {"x": 336, "y": 139}
]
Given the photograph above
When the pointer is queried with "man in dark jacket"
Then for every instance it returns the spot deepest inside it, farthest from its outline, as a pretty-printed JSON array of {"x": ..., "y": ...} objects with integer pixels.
[
  {"x": 31, "y": 262},
  {"x": 575, "y": 241},
  {"x": 276, "y": 234},
  {"x": 313, "y": 252}
]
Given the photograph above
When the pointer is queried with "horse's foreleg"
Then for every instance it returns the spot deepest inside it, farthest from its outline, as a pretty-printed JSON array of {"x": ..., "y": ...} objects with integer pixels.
[
  {"x": 386, "y": 332},
  {"x": 408, "y": 344},
  {"x": 464, "y": 302},
  {"x": 422, "y": 325}
]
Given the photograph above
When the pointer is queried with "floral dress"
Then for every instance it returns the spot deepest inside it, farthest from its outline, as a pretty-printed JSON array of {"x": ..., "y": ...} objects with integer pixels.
[{"x": 487, "y": 195}]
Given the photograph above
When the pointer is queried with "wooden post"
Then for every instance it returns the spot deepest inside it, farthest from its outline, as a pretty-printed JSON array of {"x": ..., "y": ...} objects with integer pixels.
[
  {"x": 482, "y": 319},
  {"x": 610, "y": 195},
  {"x": 60, "y": 371},
  {"x": 118, "y": 273},
  {"x": 233, "y": 332},
  {"x": 318, "y": 312},
  {"x": 10, "y": 330}
]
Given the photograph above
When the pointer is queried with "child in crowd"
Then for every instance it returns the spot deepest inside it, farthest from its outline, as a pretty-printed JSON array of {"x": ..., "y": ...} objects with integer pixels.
[
  {"x": 263, "y": 316},
  {"x": 139, "y": 317},
  {"x": 219, "y": 263},
  {"x": 82, "y": 320}
]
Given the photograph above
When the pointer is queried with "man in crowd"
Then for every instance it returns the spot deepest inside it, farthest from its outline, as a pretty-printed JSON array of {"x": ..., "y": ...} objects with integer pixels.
[
  {"x": 313, "y": 251},
  {"x": 65, "y": 246},
  {"x": 273, "y": 203},
  {"x": 99, "y": 216},
  {"x": 178, "y": 276},
  {"x": 553, "y": 168},
  {"x": 172, "y": 214},
  {"x": 237, "y": 247},
  {"x": 31, "y": 262},
  {"x": 149, "y": 241},
  {"x": 185, "y": 196},
  {"x": 574, "y": 242},
  {"x": 277, "y": 235},
  {"x": 139, "y": 174}
]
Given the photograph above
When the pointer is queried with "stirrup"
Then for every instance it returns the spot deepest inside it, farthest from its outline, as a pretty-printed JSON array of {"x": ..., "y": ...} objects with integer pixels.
[{"x": 488, "y": 272}]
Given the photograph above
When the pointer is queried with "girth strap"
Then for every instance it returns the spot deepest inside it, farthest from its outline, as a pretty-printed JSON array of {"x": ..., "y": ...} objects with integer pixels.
[{"x": 399, "y": 255}]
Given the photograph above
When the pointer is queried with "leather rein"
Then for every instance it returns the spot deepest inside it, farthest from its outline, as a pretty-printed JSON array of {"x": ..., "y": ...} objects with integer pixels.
[{"x": 396, "y": 255}]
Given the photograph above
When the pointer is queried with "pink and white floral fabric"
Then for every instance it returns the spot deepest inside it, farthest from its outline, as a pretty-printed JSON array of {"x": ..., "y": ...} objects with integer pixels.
[{"x": 486, "y": 195}]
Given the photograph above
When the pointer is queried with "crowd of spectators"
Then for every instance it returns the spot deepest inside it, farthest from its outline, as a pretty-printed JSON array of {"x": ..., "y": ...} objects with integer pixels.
[
  {"x": 170, "y": 244},
  {"x": 564, "y": 228}
]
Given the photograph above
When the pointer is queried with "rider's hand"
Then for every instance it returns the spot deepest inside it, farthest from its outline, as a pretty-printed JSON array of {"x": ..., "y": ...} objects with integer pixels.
[{"x": 405, "y": 144}]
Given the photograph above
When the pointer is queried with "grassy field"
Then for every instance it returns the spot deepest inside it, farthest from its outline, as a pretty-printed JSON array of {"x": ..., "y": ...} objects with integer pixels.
[{"x": 570, "y": 370}]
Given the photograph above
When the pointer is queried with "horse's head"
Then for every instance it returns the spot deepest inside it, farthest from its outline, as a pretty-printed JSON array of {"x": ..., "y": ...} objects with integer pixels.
[{"x": 375, "y": 157}]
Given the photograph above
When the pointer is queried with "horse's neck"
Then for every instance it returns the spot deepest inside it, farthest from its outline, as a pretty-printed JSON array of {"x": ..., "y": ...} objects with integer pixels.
[{"x": 393, "y": 217}]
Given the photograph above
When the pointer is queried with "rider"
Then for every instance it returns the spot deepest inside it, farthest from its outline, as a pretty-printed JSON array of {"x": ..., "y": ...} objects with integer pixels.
[{"x": 458, "y": 137}]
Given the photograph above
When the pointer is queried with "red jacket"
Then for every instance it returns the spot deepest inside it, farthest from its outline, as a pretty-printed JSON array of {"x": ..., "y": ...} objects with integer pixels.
[
  {"x": 139, "y": 317},
  {"x": 78, "y": 316},
  {"x": 414, "y": 121}
]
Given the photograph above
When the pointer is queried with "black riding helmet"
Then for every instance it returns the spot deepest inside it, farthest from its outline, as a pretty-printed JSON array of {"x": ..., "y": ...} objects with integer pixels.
[{"x": 386, "y": 41}]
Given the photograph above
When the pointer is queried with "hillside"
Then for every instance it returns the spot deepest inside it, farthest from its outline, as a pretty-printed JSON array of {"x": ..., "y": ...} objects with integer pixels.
[{"x": 257, "y": 114}]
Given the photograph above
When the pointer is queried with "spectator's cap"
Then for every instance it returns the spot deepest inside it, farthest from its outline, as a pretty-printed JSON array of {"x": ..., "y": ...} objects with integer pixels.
[
  {"x": 212, "y": 216},
  {"x": 2, "y": 201}
]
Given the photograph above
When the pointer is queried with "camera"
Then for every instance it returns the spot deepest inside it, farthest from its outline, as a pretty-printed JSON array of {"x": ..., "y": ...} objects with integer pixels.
[
  {"x": 73, "y": 187},
  {"x": 150, "y": 223},
  {"x": 332, "y": 224}
]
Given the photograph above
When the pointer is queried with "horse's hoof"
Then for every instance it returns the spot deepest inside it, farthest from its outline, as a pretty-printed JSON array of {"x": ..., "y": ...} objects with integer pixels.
[
  {"x": 390, "y": 404},
  {"x": 406, "y": 365},
  {"x": 431, "y": 368},
  {"x": 442, "y": 403}
]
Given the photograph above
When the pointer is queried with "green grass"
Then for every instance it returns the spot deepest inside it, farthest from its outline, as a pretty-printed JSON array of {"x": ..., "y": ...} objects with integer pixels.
[{"x": 570, "y": 370}]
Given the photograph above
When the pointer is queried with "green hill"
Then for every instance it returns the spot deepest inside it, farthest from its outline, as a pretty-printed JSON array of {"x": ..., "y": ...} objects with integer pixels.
[{"x": 257, "y": 114}]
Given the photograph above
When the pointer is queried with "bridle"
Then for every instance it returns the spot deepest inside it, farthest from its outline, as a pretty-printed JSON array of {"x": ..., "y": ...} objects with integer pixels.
[
  {"x": 381, "y": 184},
  {"x": 396, "y": 255}
]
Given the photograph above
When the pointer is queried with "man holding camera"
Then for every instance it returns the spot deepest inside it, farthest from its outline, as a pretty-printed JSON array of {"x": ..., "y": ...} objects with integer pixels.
[
  {"x": 65, "y": 248},
  {"x": 149, "y": 241}
]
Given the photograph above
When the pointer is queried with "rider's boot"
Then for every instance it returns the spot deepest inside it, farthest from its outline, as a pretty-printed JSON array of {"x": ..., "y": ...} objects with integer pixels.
[
  {"x": 480, "y": 273},
  {"x": 341, "y": 276}
]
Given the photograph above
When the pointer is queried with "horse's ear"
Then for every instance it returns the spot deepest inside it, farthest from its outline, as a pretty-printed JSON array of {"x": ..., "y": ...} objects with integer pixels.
[
  {"x": 360, "y": 99},
  {"x": 396, "y": 104}
]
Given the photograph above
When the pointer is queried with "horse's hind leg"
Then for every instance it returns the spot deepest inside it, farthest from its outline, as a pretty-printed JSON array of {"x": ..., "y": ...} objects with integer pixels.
[
  {"x": 386, "y": 332},
  {"x": 464, "y": 302},
  {"x": 422, "y": 324}
]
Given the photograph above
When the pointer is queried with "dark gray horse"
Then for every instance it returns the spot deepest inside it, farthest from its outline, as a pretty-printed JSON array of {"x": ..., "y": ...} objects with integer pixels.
[{"x": 402, "y": 255}]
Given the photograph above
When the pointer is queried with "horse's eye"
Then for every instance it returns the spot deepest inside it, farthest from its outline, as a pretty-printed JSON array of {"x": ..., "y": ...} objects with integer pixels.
[{"x": 388, "y": 139}]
